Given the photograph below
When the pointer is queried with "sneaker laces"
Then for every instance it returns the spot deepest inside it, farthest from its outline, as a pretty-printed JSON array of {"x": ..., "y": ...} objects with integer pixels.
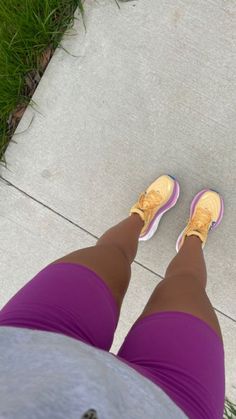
[
  {"x": 150, "y": 200},
  {"x": 201, "y": 221}
]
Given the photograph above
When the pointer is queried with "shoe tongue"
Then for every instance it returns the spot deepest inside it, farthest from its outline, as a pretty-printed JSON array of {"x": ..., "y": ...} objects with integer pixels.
[
  {"x": 202, "y": 217},
  {"x": 197, "y": 231},
  {"x": 150, "y": 200}
]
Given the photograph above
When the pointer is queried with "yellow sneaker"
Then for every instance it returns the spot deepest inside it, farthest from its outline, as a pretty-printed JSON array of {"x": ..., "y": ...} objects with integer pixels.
[
  {"x": 206, "y": 213},
  {"x": 159, "y": 197}
]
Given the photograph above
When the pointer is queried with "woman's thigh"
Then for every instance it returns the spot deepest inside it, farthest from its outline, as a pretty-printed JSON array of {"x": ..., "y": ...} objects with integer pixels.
[
  {"x": 184, "y": 356},
  {"x": 177, "y": 343},
  {"x": 65, "y": 298}
]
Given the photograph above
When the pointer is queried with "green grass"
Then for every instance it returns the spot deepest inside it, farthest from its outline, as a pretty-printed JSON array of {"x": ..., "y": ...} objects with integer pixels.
[
  {"x": 230, "y": 410},
  {"x": 28, "y": 28}
]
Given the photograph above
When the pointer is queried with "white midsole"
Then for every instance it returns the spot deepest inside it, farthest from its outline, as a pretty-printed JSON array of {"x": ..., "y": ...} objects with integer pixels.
[{"x": 182, "y": 232}]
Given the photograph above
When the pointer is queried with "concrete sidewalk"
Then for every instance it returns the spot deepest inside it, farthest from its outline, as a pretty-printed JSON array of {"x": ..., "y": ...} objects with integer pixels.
[{"x": 148, "y": 89}]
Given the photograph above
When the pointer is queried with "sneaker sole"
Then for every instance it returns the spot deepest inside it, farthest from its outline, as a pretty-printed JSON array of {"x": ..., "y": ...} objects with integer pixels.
[
  {"x": 156, "y": 220},
  {"x": 192, "y": 209}
]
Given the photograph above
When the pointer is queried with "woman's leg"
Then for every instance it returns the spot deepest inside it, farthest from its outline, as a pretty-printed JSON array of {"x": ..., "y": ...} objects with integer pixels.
[
  {"x": 116, "y": 249},
  {"x": 112, "y": 256},
  {"x": 183, "y": 288},
  {"x": 172, "y": 344},
  {"x": 80, "y": 294},
  {"x": 177, "y": 341}
]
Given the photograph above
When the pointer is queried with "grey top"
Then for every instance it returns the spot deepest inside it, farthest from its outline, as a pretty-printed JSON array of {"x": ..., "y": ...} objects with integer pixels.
[{"x": 47, "y": 375}]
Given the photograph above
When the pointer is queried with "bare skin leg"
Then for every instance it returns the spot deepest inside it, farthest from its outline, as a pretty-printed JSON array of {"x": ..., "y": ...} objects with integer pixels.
[
  {"x": 183, "y": 288},
  {"x": 112, "y": 256}
]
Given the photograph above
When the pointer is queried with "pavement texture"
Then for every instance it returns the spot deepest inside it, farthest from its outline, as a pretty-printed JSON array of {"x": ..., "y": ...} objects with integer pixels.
[{"x": 148, "y": 89}]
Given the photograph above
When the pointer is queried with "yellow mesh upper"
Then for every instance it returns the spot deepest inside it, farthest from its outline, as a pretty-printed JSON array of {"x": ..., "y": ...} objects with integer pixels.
[
  {"x": 150, "y": 200},
  {"x": 156, "y": 195},
  {"x": 199, "y": 224},
  {"x": 147, "y": 205}
]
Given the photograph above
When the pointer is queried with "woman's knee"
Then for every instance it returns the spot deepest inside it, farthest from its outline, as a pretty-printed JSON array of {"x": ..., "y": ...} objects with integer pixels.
[
  {"x": 184, "y": 294},
  {"x": 186, "y": 275}
]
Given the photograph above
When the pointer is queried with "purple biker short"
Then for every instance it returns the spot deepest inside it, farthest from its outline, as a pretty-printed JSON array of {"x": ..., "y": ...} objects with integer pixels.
[{"x": 177, "y": 351}]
